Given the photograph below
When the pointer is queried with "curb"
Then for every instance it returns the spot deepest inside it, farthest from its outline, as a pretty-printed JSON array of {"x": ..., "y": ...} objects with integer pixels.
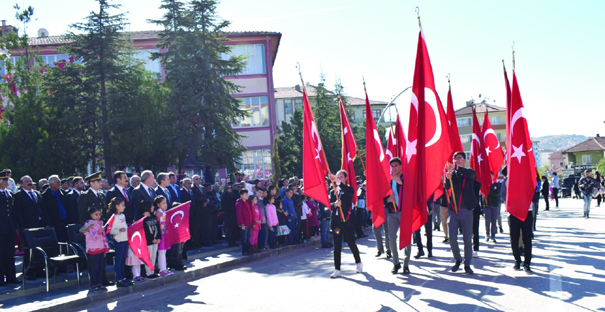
[{"x": 186, "y": 276}]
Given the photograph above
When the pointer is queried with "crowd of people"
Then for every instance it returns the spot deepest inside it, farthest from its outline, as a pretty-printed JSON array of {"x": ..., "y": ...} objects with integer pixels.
[{"x": 258, "y": 216}]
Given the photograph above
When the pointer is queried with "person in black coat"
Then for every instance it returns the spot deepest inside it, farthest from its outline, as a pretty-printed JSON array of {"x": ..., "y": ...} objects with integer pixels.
[
  {"x": 343, "y": 220},
  {"x": 144, "y": 191},
  {"x": 55, "y": 204},
  {"x": 228, "y": 200},
  {"x": 197, "y": 207},
  {"x": 120, "y": 190},
  {"x": 163, "y": 189},
  {"x": 546, "y": 191},
  {"x": 73, "y": 215},
  {"x": 29, "y": 211},
  {"x": 8, "y": 232},
  {"x": 92, "y": 197}
]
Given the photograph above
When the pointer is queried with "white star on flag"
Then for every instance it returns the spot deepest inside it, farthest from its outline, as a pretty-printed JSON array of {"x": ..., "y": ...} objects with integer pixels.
[
  {"x": 411, "y": 149},
  {"x": 176, "y": 225},
  {"x": 518, "y": 152}
]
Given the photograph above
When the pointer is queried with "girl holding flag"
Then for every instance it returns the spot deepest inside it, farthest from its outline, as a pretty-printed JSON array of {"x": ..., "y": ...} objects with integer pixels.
[{"x": 117, "y": 227}]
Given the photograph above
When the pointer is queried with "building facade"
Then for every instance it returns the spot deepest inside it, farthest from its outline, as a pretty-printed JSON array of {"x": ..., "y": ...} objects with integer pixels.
[
  {"x": 587, "y": 153},
  {"x": 464, "y": 119}
]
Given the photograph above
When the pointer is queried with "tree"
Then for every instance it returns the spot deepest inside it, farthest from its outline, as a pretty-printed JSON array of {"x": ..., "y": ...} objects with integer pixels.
[
  {"x": 290, "y": 145},
  {"x": 275, "y": 161},
  {"x": 200, "y": 99},
  {"x": 601, "y": 166}
]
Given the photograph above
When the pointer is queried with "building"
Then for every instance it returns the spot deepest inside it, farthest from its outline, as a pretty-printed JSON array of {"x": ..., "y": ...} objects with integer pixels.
[
  {"x": 464, "y": 118},
  {"x": 587, "y": 153},
  {"x": 290, "y": 99},
  {"x": 256, "y": 80},
  {"x": 557, "y": 161}
]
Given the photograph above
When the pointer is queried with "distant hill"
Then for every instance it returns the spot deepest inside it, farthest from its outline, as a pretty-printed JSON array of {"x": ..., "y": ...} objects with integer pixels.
[{"x": 559, "y": 142}]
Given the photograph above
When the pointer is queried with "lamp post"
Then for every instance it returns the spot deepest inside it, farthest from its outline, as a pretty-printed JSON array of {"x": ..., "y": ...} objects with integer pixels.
[{"x": 389, "y": 105}]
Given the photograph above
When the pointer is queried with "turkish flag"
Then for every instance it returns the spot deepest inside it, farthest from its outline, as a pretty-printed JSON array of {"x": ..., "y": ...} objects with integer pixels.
[
  {"x": 315, "y": 167},
  {"x": 479, "y": 161},
  {"x": 521, "y": 162},
  {"x": 378, "y": 177},
  {"x": 396, "y": 144},
  {"x": 177, "y": 225},
  {"x": 508, "y": 96},
  {"x": 493, "y": 150},
  {"x": 453, "y": 125},
  {"x": 428, "y": 146},
  {"x": 349, "y": 149},
  {"x": 138, "y": 242},
  {"x": 109, "y": 224},
  {"x": 391, "y": 150}
]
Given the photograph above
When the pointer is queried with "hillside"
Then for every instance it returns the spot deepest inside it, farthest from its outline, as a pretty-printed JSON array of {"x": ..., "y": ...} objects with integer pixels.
[{"x": 559, "y": 142}]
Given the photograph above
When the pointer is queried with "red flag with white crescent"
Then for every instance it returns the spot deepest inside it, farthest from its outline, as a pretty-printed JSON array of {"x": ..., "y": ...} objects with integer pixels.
[
  {"x": 109, "y": 224},
  {"x": 493, "y": 150},
  {"x": 391, "y": 150},
  {"x": 453, "y": 125},
  {"x": 138, "y": 242},
  {"x": 177, "y": 225},
  {"x": 479, "y": 161},
  {"x": 428, "y": 146},
  {"x": 378, "y": 178},
  {"x": 315, "y": 167},
  {"x": 521, "y": 162},
  {"x": 349, "y": 149},
  {"x": 400, "y": 142}
]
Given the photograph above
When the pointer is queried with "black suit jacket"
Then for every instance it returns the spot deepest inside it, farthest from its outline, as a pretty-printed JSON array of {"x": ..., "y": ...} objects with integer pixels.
[
  {"x": 29, "y": 213},
  {"x": 159, "y": 191},
  {"x": 185, "y": 196},
  {"x": 138, "y": 195},
  {"x": 466, "y": 197},
  {"x": 7, "y": 216},
  {"x": 73, "y": 216},
  {"x": 89, "y": 199},
  {"x": 198, "y": 199},
  {"x": 52, "y": 207},
  {"x": 128, "y": 211}
]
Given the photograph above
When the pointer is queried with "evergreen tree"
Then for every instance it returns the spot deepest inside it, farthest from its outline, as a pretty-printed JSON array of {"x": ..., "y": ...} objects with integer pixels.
[
  {"x": 290, "y": 145},
  {"x": 275, "y": 162},
  {"x": 200, "y": 99}
]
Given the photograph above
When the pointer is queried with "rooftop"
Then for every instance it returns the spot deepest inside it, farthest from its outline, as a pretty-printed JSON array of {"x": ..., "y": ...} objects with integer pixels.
[
  {"x": 480, "y": 108},
  {"x": 296, "y": 92},
  {"x": 590, "y": 145}
]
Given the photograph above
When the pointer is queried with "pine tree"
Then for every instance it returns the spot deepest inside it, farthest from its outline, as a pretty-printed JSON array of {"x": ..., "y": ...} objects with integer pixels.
[{"x": 200, "y": 99}]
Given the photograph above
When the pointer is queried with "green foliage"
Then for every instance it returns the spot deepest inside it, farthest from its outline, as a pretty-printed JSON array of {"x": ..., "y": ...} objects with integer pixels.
[
  {"x": 543, "y": 171},
  {"x": 275, "y": 161},
  {"x": 290, "y": 137},
  {"x": 199, "y": 98},
  {"x": 601, "y": 166}
]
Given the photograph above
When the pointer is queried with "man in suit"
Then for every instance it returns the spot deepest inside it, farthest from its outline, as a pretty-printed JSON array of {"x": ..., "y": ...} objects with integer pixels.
[
  {"x": 186, "y": 192},
  {"x": 228, "y": 200},
  {"x": 65, "y": 186},
  {"x": 56, "y": 207},
  {"x": 120, "y": 191},
  {"x": 162, "y": 189},
  {"x": 135, "y": 180},
  {"x": 30, "y": 214},
  {"x": 174, "y": 189},
  {"x": 210, "y": 219},
  {"x": 92, "y": 198},
  {"x": 199, "y": 203},
  {"x": 143, "y": 192},
  {"x": 73, "y": 214},
  {"x": 8, "y": 232}
]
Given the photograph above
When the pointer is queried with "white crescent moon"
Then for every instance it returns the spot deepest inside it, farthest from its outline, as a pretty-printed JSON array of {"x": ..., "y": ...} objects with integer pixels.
[
  {"x": 377, "y": 139},
  {"x": 315, "y": 133},
  {"x": 176, "y": 213},
  {"x": 475, "y": 137},
  {"x": 390, "y": 154},
  {"x": 492, "y": 132},
  {"x": 431, "y": 99},
  {"x": 415, "y": 105},
  {"x": 137, "y": 233},
  {"x": 516, "y": 116}
]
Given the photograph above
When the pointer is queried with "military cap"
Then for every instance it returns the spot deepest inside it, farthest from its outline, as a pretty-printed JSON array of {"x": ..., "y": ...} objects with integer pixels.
[
  {"x": 4, "y": 174},
  {"x": 94, "y": 177}
]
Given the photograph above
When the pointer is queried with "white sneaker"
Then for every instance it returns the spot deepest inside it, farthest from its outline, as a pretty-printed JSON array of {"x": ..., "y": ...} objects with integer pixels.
[
  {"x": 359, "y": 267},
  {"x": 335, "y": 274},
  {"x": 475, "y": 254}
]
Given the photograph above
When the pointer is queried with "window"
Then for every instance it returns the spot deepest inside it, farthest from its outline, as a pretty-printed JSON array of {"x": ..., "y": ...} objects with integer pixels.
[
  {"x": 145, "y": 57},
  {"x": 495, "y": 120},
  {"x": 255, "y": 54},
  {"x": 586, "y": 159},
  {"x": 258, "y": 107},
  {"x": 288, "y": 107},
  {"x": 375, "y": 114},
  {"x": 256, "y": 164},
  {"x": 465, "y": 138},
  {"x": 52, "y": 58},
  {"x": 464, "y": 122}
]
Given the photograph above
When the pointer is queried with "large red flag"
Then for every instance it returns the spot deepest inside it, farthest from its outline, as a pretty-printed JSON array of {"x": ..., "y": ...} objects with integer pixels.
[
  {"x": 508, "y": 115},
  {"x": 138, "y": 242},
  {"x": 349, "y": 149},
  {"x": 177, "y": 225},
  {"x": 428, "y": 146},
  {"x": 493, "y": 150},
  {"x": 378, "y": 178},
  {"x": 109, "y": 224},
  {"x": 479, "y": 161},
  {"x": 521, "y": 162},
  {"x": 400, "y": 142},
  {"x": 391, "y": 144},
  {"x": 315, "y": 167},
  {"x": 453, "y": 125}
]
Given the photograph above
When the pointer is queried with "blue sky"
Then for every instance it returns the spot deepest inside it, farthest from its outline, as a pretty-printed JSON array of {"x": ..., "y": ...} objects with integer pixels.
[{"x": 559, "y": 48}]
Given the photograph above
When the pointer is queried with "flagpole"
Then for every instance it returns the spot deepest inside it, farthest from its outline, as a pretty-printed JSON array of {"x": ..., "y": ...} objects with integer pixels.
[
  {"x": 342, "y": 217},
  {"x": 356, "y": 147}
]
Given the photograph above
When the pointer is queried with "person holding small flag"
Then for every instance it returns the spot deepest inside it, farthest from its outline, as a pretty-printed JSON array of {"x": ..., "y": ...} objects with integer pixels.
[
  {"x": 393, "y": 203},
  {"x": 117, "y": 227}
]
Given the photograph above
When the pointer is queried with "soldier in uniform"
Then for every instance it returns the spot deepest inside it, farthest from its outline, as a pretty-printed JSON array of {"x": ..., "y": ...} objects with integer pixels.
[
  {"x": 92, "y": 198},
  {"x": 8, "y": 232}
]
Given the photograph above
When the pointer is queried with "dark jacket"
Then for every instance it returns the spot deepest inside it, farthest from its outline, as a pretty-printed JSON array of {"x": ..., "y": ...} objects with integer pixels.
[
  {"x": 152, "y": 229},
  {"x": 346, "y": 200},
  {"x": 28, "y": 212},
  {"x": 394, "y": 207},
  {"x": 159, "y": 191},
  {"x": 466, "y": 198},
  {"x": 88, "y": 199},
  {"x": 228, "y": 203},
  {"x": 128, "y": 212},
  {"x": 323, "y": 212},
  {"x": 138, "y": 195},
  {"x": 297, "y": 200},
  {"x": 493, "y": 198},
  {"x": 198, "y": 200},
  {"x": 8, "y": 222},
  {"x": 51, "y": 205},
  {"x": 185, "y": 196},
  {"x": 73, "y": 216}
]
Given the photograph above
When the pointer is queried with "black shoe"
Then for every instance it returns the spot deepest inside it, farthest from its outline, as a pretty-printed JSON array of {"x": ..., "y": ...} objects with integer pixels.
[
  {"x": 527, "y": 269},
  {"x": 406, "y": 270},
  {"x": 587, "y": 216},
  {"x": 396, "y": 268},
  {"x": 378, "y": 254},
  {"x": 389, "y": 256},
  {"x": 468, "y": 270},
  {"x": 501, "y": 230},
  {"x": 517, "y": 266},
  {"x": 494, "y": 240},
  {"x": 419, "y": 254},
  {"x": 153, "y": 276},
  {"x": 456, "y": 266},
  {"x": 122, "y": 284},
  {"x": 430, "y": 255},
  {"x": 108, "y": 283},
  {"x": 446, "y": 240},
  {"x": 487, "y": 240},
  {"x": 183, "y": 268}
]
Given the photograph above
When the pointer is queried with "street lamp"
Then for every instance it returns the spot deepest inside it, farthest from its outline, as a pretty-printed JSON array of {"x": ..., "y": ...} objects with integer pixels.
[{"x": 389, "y": 105}]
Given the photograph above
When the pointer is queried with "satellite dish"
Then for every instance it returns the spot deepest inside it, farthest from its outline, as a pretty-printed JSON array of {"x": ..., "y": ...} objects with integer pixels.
[{"x": 42, "y": 32}]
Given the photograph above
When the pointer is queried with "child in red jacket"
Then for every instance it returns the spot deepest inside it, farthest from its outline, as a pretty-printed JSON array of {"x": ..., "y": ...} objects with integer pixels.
[
  {"x": 245, "y": 219},
  {"x": 256, "y": 223}
]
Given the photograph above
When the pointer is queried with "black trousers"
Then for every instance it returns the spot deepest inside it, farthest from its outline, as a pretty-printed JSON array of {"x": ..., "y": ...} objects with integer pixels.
[
  {"x": 209, "y": 229},
  {"x": 429, "y": 235},
  {"x": 231, "y": 229},
  {"x": 348, "y": 234},
  {"x": 174, "y": 255},
  {"x": 196, "y": 225},
  {"x": 96, "y": 267},
  {"x": 516, "y": 228},
  {"x": 361, "y": 216},
  {"x": 546, "y": 195},
  {"x": 476, "y": 218},
  {"x": 7, "y": 256},
  {"x": 555, "y": 193}
]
